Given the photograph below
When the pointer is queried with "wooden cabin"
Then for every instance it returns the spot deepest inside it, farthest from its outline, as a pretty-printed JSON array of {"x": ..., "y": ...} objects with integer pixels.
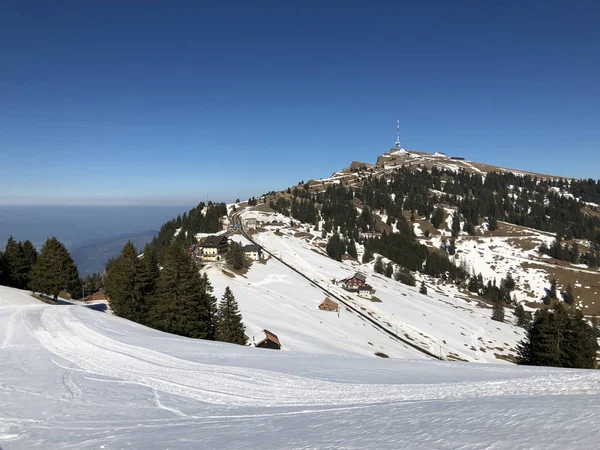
[
  {"x": 266, "y": 339},
  {"x": 329, "y": 305},
  {"x": 353, "y": 282}
]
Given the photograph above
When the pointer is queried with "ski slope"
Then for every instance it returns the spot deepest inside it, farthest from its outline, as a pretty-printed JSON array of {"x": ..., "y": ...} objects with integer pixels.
[{"x": 75, "y": 378}]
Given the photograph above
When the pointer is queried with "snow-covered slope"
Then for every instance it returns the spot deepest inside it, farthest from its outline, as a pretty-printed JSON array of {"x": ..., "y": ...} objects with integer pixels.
[
  {"x": 273, "y": 297},
  {"x": 439, "y": 322},
  {"x": 75, "y": 378}
]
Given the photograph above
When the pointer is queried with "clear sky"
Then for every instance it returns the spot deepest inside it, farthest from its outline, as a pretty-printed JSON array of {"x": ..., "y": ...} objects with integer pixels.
[{"x": 134, "y": 102}]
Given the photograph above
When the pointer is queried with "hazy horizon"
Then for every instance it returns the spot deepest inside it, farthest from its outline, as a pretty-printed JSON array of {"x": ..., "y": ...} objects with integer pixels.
[{"x": 81, "y": 225}]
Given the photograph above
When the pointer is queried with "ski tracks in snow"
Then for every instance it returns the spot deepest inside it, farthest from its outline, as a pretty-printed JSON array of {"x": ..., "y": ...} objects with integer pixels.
[{"x": 67, "y": 336}]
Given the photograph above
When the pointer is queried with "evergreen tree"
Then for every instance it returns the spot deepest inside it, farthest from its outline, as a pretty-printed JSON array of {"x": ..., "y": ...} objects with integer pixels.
[
  {"x": 367, "y": 255},
  {"x": 378, "y": 267},
  {"x": 17, "y": 268},
  {"x": 559, "y": 338},
  {"x": 123, "y": 287},
  {"x": 523, "y": 317},
  {"x": 147, "y": 279},
  {"x": 437, "y": 218},
  {"x": 335, "y": 247},
  {"x": 455, "y": 225},
  {"x": 498, "y": 312},
  {"x": 568, "y": 296},
  {"x": 182, "y": 304},
  {"x": 3, "y": 270},
  {"x": 352, "y": 249},
  {"x": 229, "y": 326},
  {"x": 423, "y": 288},
  {"x": 54, "y": 269},
  {"x": 389, "y": 270},
  {"x": 236, "y": 258}
]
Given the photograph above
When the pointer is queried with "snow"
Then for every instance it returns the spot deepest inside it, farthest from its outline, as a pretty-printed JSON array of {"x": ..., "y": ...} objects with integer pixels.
[
  {"x": 273, "y": 297},
  {"x": 440, "y": 322},
  {"x": 74, "y": 378}
]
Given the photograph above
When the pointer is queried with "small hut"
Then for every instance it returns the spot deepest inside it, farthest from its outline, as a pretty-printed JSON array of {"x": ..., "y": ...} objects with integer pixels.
[
  {"x": 329, "y": 305},
  {"x": 266, "y": 339}
]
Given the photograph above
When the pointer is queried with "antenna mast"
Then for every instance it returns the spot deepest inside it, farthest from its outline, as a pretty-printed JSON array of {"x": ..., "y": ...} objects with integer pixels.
[{"x": 398, "y": 146}]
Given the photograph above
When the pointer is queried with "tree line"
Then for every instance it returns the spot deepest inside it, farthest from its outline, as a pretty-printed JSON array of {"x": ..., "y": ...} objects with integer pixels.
[
  {"x": 172, "y": 297},
  {"x": 49, "y": 272}
]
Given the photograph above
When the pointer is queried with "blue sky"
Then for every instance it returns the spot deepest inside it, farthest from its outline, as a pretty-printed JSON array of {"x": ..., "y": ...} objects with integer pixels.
[{"x": 168, "y": 102}]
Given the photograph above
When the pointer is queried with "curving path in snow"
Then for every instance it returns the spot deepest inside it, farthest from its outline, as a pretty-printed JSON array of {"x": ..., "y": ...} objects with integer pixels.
[{"x": 72, "y": 377}]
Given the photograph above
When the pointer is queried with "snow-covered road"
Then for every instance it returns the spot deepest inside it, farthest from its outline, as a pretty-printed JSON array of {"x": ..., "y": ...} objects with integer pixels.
[{"x": 72, "y": 377}]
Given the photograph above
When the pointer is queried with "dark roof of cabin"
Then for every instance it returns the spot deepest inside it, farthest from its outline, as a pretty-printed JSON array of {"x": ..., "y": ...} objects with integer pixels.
[
  {"x": 251, "y": 248},
  {"x": 271, "y": 337},
  {"x": 365, "y": 287},
  {"x": 360, "y": 277},
  {"x": 213, "y": 241}
]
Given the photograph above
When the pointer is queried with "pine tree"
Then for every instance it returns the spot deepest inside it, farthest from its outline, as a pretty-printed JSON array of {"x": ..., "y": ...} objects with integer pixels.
[
  {"x": 352, "y": 249},
  {"x": 229, "y": 326},
  {"x": 523, "y": 317},
  {"x": 568, "y": 296},
  {"x": 367, "y": 255},
  {"x": 559, "y": 338},
  {"x": 498, "y": 312},
  {"x": 54, "y": 269},
  {"x": 147, "y": 279},
  {"x": 182, "y": 304},
  {"x": 455, "y": 224},
  {"x": 122, "y": 285},
  {"x": 423, "y": 288},
  {"x": 3, "y": 274},
  {"x": 335, "y": 247},
  {"x": 378, "y": 267},
  {"x": 235, "y": 256},
  {"x": 17, "y": 268},
  {"x": 389, "y": 270}
]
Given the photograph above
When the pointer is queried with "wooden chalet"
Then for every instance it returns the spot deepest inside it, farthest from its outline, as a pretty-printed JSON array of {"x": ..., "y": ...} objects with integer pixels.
[
  {"x": 266, "y": 339},
  {"x": 329, "y": 305},
  {"x": 353, "y": 282}
]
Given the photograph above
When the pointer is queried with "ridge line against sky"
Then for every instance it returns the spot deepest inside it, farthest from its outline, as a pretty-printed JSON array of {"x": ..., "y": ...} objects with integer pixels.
[{"x": 166, "y": 103}]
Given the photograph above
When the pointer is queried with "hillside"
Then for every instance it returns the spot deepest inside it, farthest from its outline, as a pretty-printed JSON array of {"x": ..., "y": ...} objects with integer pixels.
[
  {"x": 77, "y": 378},
  {"x": 464, "y": 231}
]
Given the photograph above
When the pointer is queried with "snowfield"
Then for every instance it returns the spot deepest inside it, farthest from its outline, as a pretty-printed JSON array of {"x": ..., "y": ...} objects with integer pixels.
[
  {"x": 440, "y": 322},
  {"x": 75, "y": 378}
]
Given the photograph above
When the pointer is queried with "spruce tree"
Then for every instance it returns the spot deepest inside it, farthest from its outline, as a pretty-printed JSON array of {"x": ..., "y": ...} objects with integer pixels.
[
  {"x": 367, "y": 255},
  {"x": 122, "y": 285},
  {"x": 335, "y": 247},
  {"x": 183, "y": 304},
  {"x": 17, "y": 267},
  {"x": 423, "y": 288},
  {"x": 229, "y": 326},
  {"x": 147, "y": 279},
  {"x": 568, "y": 296},
  {"x": 352, "y": 249},
  {"x": 235, "y": 256},
  {"x": 378, "y": 267},
  {"x": 559, "y": 338},
  {"x": 389, "y": 270},
  {"x": 54, "y": 270},
  {"x": 523, "y": 317},
  {"x": 498, "y": 311}
]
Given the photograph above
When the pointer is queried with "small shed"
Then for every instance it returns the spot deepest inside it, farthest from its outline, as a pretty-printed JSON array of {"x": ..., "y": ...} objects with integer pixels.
[
  {"x": 329, "y": 305},
  {"x": 266, "y": 339}
]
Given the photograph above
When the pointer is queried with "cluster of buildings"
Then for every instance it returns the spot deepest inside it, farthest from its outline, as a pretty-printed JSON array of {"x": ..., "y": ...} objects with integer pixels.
[
  {"x": 213, "y": 248},
  {"x": 358, "y": 283}
]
